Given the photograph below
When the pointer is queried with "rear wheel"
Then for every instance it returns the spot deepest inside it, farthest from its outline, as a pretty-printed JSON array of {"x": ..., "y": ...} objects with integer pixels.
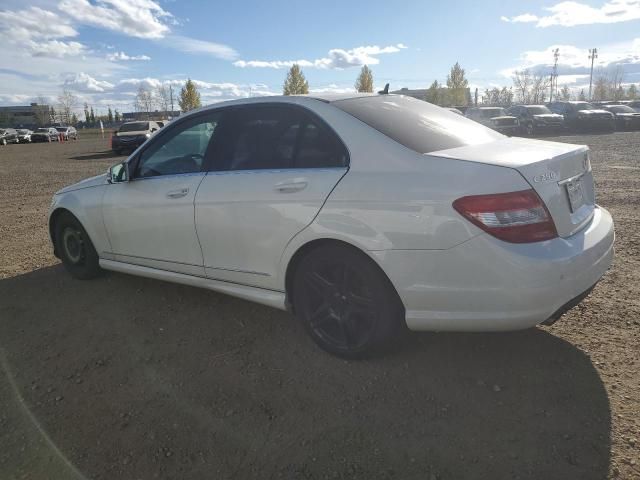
[
  {"x": 530, "y": 129},
  {"x": 345, "y": 302},
  {"x": 74, "y": 246}
]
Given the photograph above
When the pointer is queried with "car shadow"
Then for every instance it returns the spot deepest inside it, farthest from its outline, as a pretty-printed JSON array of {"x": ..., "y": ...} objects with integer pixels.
[
  {"x": 135, "y": 378},
  {"x": 96, "y": 156}
]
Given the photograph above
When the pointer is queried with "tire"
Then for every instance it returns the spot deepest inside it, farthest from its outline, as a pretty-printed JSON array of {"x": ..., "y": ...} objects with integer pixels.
[
  {"x": 75, "y": 248},
  {"x": 345, "y": 302}
]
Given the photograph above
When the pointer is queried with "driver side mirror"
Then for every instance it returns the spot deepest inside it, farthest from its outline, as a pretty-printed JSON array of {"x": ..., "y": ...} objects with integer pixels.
[{"x": 118, "y": 173}]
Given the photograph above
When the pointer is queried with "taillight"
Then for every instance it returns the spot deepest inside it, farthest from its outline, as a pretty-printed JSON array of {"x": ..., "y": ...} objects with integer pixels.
[{"x": 516, "y": 217}]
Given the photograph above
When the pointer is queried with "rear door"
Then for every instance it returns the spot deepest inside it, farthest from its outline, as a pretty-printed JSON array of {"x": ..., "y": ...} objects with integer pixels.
[{"x": 274, "y": 166}]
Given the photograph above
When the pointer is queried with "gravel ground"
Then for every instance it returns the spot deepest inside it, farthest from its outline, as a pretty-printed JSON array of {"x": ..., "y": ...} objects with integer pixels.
[{"x": 129, "y": 378}]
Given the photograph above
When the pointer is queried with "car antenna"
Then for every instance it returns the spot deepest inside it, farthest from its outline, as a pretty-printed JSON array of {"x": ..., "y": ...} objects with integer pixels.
[{"x": 385, "y": 90}]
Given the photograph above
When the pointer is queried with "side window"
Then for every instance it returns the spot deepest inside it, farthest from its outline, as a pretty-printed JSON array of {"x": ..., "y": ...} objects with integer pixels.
[
  {"x": 262, "y": 137},
  {"x": 180, "y": 150},
  {"x": 319, "y": 148},
  {"x": 277, "y": 137}
]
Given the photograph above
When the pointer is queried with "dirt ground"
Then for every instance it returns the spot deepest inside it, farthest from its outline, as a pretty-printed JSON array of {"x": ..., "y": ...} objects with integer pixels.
[{"x": 129, "y": 378}]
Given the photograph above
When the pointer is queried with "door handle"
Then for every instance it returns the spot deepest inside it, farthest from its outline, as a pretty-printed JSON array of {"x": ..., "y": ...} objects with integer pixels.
[
  {"x": 291, "y": 186},
  {"x": 178, "y": 193}
]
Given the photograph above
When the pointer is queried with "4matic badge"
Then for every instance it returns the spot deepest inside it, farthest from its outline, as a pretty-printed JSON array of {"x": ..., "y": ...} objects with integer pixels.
[{"x": 545, "y": 177}]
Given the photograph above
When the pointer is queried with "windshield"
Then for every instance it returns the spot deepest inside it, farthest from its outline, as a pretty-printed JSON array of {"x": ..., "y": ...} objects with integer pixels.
[
  {"x": 43, "y": 130},
  {"x": 621, "y": 109},
  {"x": 22, "y": 131},
  {"x": 134, "y": 127},
  {"x": 61, "y": 129},
  {"x": 538, "y": 110},
  {"x": 416, "y": 124},
  {"x": 583, "y": 106},
  {"x": 492, "y": 112}
]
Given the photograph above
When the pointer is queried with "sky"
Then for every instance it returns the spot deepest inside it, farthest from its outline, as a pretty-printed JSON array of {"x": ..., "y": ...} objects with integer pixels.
[{"x": 103, "y": 50}]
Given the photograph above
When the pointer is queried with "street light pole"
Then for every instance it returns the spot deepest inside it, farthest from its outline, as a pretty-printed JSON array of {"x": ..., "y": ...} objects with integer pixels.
[
  {"x": 593, "y": 54},
  {"x": 554, "y": 75}
]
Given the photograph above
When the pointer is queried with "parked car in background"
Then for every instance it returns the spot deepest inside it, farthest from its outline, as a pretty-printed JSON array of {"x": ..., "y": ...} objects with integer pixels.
[
  {"x": 495, "y": 118},
  {"x": 68, "y": 133},
  {"x": 536, "y": 119},
  {"x": 8, "y": 135},
  {"x": 360, "y": 213},
  {"x": 626, "y": 117},
  {"x": 635, "y": 104},
  {"x": 454, "y": 110},
  {"x": 131, "y": 135},
  {"x": 45, "y": 134},
  {"x": 24, "y": 135},
  {"x": 582, "y": 116}
]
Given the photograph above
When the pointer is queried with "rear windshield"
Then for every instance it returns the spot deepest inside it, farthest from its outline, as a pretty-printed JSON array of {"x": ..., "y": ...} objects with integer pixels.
[
  {"x": 416, "y": 124},
  {"x": 492, "y": 112},
  {"x": 621, "y": 109},
  {"x": 134, "y": 127},
  {"x": 538, "y": 110}
]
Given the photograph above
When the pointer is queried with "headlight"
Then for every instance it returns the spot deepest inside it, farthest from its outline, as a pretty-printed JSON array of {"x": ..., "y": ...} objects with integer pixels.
[{"x": 147, "y": 135}]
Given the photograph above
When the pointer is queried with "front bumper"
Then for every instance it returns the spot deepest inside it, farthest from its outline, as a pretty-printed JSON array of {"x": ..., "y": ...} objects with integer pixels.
[
  {"x": 127, "y": 142},
  {"x": 506, "y": 129},
  {"x": 596, "y": 124},
  {"x": 485, "y": 284}
]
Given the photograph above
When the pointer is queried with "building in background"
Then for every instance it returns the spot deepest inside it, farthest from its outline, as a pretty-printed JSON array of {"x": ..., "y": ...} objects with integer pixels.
[{"x": 27, "y": 116}]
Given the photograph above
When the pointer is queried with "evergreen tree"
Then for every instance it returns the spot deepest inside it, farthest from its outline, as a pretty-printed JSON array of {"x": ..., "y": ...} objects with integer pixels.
[
  {"x": 565, "y": 93},
  {"x": 632, "y": 92},
  {"x": 110, "y": 116},
  {"x": 74, "y": 119},
  {"x": 582, "y": 97},
  {"x": 189, "y": 96},
  {"x": 295, "y": 83},
  {"x": 86, "y": 113},
  {"x": 116, "y": 116},
  {"x": 364, "y": 82},
  {"x": 457, "y": 84},
  {"x": 434, "y": 94},
  {"x": 92, "y": 118}
]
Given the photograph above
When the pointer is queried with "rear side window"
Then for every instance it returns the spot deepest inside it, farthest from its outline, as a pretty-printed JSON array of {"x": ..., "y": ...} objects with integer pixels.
[
  {"x": 278, "y": 137},
  {"x": 416, "y": 124}
]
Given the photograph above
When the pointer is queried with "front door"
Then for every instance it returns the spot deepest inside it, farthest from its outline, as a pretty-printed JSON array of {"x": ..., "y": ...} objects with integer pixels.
[
  {"x": 274, "y": 166},
  {"x": 150, "y": 219}
]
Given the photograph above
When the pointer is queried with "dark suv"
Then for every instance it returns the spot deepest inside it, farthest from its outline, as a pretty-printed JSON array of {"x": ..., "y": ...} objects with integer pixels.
[
  {"x": 582, "y": 116},
  {"x": 8, "y": 135},
  {"x": 537, "y": 119}
]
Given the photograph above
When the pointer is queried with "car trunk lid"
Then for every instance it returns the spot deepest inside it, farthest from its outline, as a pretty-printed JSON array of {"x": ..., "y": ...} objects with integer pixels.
[{"x": 560, "y": 173}]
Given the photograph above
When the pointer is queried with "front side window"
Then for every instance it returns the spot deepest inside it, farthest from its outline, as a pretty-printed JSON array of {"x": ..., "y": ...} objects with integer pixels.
[
  {"x": 180, "y": 150},
  {"x": 278, "y": 137}
]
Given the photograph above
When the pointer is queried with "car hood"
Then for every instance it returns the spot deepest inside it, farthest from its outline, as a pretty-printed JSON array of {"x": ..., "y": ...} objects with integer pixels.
[
  {"x": 86, "y": 183},
  {"x": 549, "y": 116},
  {"x": 593, "y": 112},
  {"x": 131, "y": 134}
]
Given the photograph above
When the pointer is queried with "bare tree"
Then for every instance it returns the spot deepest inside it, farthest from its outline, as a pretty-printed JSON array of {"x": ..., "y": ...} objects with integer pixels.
[
  {"x": 66, "y": 103},
  {"x": 144, "y": 101},
  {"x": 615, "y": 83},
  {"x": 163, "y": 99},
  {"x": 41, "y": 111},
  {"x": 565, "y": 93},
  {"x": 522, "y": 82},
  {"x": 601, "y": 86},
  {"x": 540, "y": 85}
]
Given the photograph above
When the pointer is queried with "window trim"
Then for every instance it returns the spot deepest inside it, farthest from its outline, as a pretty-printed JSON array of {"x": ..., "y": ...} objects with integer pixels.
[{"x": 308, "y": 114}]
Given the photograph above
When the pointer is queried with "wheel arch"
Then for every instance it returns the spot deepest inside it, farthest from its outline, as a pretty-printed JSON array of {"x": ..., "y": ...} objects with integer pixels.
[{"x": 312, "y": 245}]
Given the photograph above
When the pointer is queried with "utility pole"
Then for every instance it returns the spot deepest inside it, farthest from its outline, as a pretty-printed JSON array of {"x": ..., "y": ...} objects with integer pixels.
[
  {"x": 593, "y": 54},
  {"x": 554, "y": 75}
]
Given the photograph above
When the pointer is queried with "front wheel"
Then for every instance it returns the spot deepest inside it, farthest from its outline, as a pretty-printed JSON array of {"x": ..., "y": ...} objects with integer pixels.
[
  {"x": 530, "y": 129},
  {"x": 75, "y": 249},
  {"x": 345, "y": 302}
]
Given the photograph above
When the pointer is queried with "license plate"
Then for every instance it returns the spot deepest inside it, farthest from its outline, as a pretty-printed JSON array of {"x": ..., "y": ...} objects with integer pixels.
[{"x": 574, "y": 192}]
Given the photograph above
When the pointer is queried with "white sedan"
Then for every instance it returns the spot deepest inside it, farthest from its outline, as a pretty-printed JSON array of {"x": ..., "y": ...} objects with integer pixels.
[{"x": 358, "y": 213}]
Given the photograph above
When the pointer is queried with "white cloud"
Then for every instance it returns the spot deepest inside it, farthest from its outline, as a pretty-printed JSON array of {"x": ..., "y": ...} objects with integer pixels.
[
  {"x": 336, "y": 58},
  {"x": 121, "y": 56},
  {"x": 570, "y": 14},
  {"x": 136, "y": 18},
  {"x": 192, "y": 45},
  {"x": 34, "y": 24},
  {"x": 332, "y": 88},
  {"x": 83, "y": 82}
]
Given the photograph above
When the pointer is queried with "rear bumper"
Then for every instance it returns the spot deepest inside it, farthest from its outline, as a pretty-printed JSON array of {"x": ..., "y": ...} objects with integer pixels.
[{"x": 485, "y": 284}]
